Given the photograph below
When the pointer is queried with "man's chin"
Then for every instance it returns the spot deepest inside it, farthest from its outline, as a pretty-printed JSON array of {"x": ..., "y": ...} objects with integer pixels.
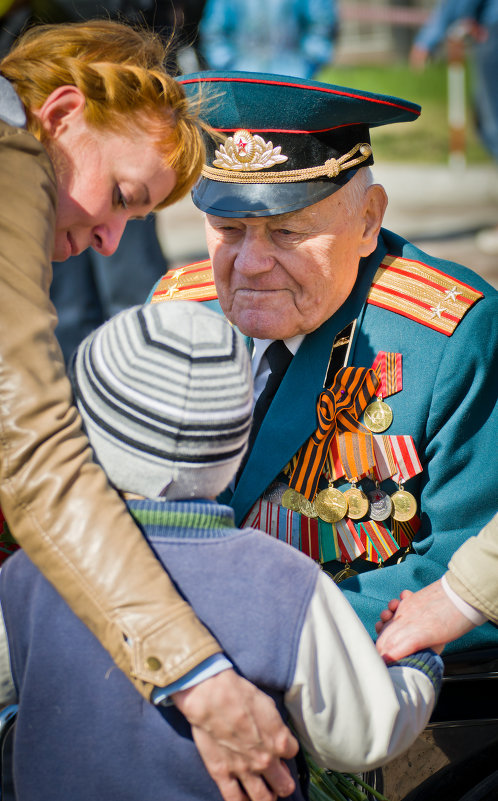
[
  {"x": 263, "y": 326},
  {"x": 263, "y": 315}
]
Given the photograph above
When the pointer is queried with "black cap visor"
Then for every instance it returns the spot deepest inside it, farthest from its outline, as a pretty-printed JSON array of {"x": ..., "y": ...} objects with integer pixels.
[{"x": 262, "y": 200}]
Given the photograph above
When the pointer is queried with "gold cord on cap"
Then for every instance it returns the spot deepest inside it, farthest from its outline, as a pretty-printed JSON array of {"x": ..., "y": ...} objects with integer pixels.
[{"x": 250, "y": 173}]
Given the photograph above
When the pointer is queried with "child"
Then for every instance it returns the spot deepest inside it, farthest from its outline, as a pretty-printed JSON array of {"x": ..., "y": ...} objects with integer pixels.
[{"x": 165, "y": 394}]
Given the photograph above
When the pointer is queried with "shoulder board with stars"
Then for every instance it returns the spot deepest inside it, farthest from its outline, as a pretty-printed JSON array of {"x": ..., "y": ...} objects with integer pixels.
[
  {"x": 193, "y": 282},
  {"x": 421, "y": 293}
]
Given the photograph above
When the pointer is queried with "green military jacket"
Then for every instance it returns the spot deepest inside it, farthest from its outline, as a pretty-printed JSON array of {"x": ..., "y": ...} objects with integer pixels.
[{"x": 441, "y": 318}]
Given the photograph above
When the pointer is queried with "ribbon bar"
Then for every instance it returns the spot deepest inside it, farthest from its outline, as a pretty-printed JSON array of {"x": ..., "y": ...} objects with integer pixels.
[{"x": 387, "y": 368}]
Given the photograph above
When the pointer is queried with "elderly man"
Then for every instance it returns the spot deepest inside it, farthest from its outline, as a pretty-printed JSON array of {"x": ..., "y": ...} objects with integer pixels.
[{"x": 373, "y": 438}]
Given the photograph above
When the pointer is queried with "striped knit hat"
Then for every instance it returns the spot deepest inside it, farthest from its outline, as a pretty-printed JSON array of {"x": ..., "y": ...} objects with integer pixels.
[{"x": 165, "y": 393}]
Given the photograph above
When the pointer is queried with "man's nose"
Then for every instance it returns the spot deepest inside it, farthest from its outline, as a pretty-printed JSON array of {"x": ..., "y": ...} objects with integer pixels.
[
  {"x": 254, "y": 254},
  {"x": 106, "y": 238}
]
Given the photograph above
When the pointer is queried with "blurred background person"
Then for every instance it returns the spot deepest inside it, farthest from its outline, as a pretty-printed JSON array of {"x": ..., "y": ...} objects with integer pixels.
[
  {"x": 286, "y": 37},
  {"x": 477, "y": 20}
]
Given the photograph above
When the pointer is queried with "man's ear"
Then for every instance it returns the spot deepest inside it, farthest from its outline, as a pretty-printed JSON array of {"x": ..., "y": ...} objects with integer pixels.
[
  {"x": 64, "y": 105},
  {"x": 374, "y": 209}
]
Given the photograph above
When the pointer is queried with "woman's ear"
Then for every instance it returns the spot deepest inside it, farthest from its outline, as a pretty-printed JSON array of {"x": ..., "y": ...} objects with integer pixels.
[
  {"x": 374, "y": 210},
  {"x": 63, "y": 106}
]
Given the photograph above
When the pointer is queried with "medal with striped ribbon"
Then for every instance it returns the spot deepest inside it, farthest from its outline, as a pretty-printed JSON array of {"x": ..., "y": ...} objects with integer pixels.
[
  {"x": 357, "y": 457},
  {"x": 408, "y": 465},
  {"x": 387, "y": 366}
]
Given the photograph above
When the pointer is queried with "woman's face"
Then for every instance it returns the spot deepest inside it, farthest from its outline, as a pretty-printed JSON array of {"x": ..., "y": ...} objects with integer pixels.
[{"x": 103, "y": 180}]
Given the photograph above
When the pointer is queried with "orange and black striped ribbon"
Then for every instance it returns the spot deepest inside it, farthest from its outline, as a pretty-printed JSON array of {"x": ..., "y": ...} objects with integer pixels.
[
  {"x": 387, "y": 368},
  {"x": 338, "y": 408},
  {"x": 357, "y": 453}
]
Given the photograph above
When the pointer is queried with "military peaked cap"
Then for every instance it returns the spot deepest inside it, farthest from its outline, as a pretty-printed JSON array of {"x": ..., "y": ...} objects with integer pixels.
[{"x": 289, "y": 143}]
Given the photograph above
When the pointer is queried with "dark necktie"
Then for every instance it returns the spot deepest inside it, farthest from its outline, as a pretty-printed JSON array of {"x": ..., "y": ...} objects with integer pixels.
[{"x": 279, "y": 357}]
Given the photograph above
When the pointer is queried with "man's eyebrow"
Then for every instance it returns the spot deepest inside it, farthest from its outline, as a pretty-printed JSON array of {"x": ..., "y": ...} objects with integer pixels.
[
  {"x": 290, "y": 215},
  {"x": 285, "y": 215}
]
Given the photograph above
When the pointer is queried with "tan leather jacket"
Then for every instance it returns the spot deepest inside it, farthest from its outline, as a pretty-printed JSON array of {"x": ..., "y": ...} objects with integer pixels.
[
  {"x": 56, "y": 500},
  {"x": 473, "y": 571}
]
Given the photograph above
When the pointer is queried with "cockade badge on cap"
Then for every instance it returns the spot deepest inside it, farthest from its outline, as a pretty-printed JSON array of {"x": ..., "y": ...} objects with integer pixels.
[{"x": 243, "y": 151}]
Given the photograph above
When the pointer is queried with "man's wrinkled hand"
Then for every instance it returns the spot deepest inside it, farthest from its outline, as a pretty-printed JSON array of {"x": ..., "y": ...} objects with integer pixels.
[
  {"x": 240, "y": 736},
  {"x": 423, "y": 619}
]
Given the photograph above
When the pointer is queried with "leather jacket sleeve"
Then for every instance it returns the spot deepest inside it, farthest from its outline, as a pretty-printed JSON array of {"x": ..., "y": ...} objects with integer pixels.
[
  {"x": 473, "y": 570},
  {"x": 56, "y": 500}
]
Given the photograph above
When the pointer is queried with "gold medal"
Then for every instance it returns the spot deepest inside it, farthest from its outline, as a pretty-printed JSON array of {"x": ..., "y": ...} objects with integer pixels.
[
  {"x": 291, "y": 499},
  {"x": 331, "y": 505},
  {"x": 306, "y": 507},
  {"x": 378, "y": 416},
  {"x": 357, "y": 503},
  {"x": 404, "y": 505},
  {"x": 380, "y": 504},
  {"x": 296, "y": 502},
  {"x": 344, "y": 574}
]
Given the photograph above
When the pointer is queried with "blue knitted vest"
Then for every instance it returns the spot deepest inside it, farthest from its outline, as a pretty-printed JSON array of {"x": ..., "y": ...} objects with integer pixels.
[{"x": 83, "y": 732}]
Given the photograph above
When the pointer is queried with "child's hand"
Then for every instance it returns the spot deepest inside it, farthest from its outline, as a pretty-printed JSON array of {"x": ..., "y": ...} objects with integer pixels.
[{"x": 387, "y": 615}]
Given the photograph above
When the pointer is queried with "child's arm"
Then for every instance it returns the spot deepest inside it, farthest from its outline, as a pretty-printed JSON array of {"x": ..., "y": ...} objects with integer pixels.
[{"x": 351, "y": 712}]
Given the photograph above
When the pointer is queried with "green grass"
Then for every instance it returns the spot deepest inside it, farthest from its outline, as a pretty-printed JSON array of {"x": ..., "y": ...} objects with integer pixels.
[{"x": 427, "y": 139}]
